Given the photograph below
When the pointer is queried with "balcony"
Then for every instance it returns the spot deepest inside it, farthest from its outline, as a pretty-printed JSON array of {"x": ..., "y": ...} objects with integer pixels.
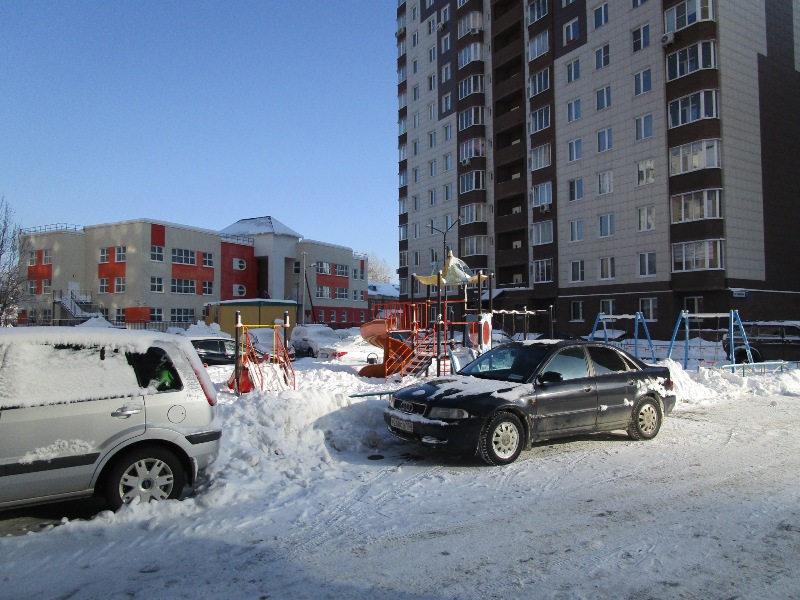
[{"x": 512, "y": 187}]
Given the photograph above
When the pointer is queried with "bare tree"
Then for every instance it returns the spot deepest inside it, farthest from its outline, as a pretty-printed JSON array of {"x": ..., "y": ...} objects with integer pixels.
[
  {"x": 12, "y": 275},
  {"x": 379, "y": 271}
]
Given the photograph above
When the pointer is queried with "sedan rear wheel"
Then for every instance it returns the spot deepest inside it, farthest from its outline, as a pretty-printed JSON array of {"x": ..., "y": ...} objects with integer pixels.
[
  {"x": 646, "y": 420},
  {"x": 501, "y": 439}
]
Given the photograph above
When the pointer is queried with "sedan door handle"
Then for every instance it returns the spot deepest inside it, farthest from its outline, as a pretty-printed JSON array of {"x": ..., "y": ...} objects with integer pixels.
[
  {"x": 588, "y": 389},
  {"x": 631, "y": 383},
  {"x": 124, "y": 412}
]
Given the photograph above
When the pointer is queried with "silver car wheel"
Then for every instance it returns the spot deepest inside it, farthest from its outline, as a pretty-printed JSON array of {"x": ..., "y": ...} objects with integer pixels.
[
  {"x": 505, "y": 440},
  {"x": 648, "y": 419},
  {"x": 148, "y": 479}
]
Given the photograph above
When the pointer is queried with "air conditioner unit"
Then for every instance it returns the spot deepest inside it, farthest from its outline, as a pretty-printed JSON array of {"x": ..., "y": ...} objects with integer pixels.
[
  {"x": 440, "y": 26},
  {"x": 465, "y": 162},
  {"x": 475, "y": 30},
  {"x": 667, "y": 39},
  {"x": 401, "y": 31},
  {"x": 516, "y": 210},
  {"x": 545, "y": 208}
]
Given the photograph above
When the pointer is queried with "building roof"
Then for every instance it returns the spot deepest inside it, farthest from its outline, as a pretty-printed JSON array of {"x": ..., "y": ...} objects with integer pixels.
[
  {"x": 384, "y": 289},
  {"x": 260, "y": 225}
]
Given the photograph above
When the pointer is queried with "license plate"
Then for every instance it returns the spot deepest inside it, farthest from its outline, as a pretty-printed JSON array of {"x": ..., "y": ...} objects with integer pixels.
[{"x": 402, "y": 425}]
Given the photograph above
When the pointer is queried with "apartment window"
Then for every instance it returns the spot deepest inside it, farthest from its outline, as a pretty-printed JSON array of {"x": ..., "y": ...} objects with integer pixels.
[
  {"x": 576, "y": 189},
  {"x": 416, "y": 259},
  {"x": 432, "y": 139},
  {"x": 402, "y": 232},
  {"x": 181, "y": 315},
  {"x": 157, "y": 285},
  {"x": 602, "y": 57},
  {"x": 573, "y": 70},
  {"x": 32, "y": 287},
  {"x": 415, "y": 120},
  {"x": 402, "y": 126},
  {"x": 471, "y": 85},
  {"x": 448, "y": 162},
  {"x": 642, "y": 82},
  {"x": 448, "y": 191},
  {"x": 637, "y": 3},
  {"x": 416, "y": 231},
  {"x": 645, "y": 172},
  {"x": 693, "y": 304},
  {"x": 540, "y": 157},
  {"x": 542, "y": 270},
  {"x": 540, "y": 82},
  {"x": 474, "y": 245},
  {"x": 415, "y": 175},
  {"x": 431, "y": 86},
  {"x": 540, "y": 119},
  {"x": 323, "y": 267},
  {"x": 603, "y": 97},
  {"x": 474, "y": 180},
  {"x": 102, "y": 288},
  {"x": 695, "y": 206},
  {"x": 647, "y": 264},
  {"x": 575, "y": 149},
  {"x": 403, "y": 259},
  {"x": 572, "y": 31},
  {"x": 432, "y": 54},
  {"x": 120, "y": 254},
  {"x": 471, "y": 53},
  {"x": 157, "y": 315},
  {"x": 687, "y": 13},
  {"x": 641, "y": 38},
  {"x": 646, "y": 218},
  {"x": 432, "y": 110},
  {"x": 341, "y": 293},
  {"x": 434, "y": 256},
  {"x": 577, "y": 271},
  {"x": 576, "y": 230},
  {"x": 333, "y": 316},
  {"x": 644, "y": 127},
  {"x": 537, "y": 10},
  {"x": 700, "y": 105},
  {"x": 601, "y": 15},
  {"x": 323, "y": 291},
  {"x": 605, "y": 183},
  {"x": 47, "y": 286},
  {"x": 697, "y": 256},
  {"x": 402, "y": 204},
  {"x": 208, "y": 288},
  {"x": 342, "y": 270},
  {"x": 446, "y": 43},
  {"x": 47, "y": 257},
  {"x": 119, "y": 316},
  {"x": 576, "y": 310},
  {"x": 543, "y": 193},
  {"x": 183, "y": 257},
  {"x": 208, "y": 259},
  {"x": 649, "y": 308},
  {"x": 104, "y": 255},
  {"x": 604, "y": 140},
  {"x": 702, "y": 55},
  {"x": 608, "y": 306},
  {"x": 448, "y": 132},
  {"x": 542, "y": 233},
  {"x": 573, "y": 110},
  {"x": 183, "y": 286},
  {"x": 432, "y": 167},
  {"x": 539, "y": 45},
  {"x": 471, "y": 148},
  {"x": 471, "y": 116},
  {"x": 608, "y": 268},
  {"x": 432, "y": 197},
  {"x": 703, "y": 154},
  {"x": 447, "y": 102},
  {"x": 473, "y": 213},
  {"x": 402, "y": 179},
  {"x": 32, "y": 257},
  {"x": 606, "y": 223}
]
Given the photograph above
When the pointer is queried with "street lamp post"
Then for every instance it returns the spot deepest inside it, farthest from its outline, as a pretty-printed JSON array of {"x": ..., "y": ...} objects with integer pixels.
[{"x": 444, "y": 238}]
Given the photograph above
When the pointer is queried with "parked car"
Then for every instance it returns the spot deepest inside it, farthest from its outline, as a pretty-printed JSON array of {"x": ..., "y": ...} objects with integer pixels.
[
  {"x": 124, "y": 414},
  {"x": 319, "y": 341},
  {"x": 525, "y": 392},
  {"x": 768, "y": 340},
  {"x": 215, "y": 350}
]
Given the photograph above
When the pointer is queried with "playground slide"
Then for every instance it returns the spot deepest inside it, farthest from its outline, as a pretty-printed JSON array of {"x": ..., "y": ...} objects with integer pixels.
[{"x": 395, "y": 352}]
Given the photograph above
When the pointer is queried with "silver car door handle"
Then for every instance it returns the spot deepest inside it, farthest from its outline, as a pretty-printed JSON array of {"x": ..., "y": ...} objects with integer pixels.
[{"x": 126, "y": 411}]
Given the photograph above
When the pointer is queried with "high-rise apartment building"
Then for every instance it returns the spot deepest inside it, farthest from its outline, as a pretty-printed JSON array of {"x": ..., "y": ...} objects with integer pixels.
[{"x": 613, "y": 156}]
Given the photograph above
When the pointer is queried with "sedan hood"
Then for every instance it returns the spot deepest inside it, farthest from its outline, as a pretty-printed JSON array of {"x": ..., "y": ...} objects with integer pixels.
[{"x": 455, "y": 388}]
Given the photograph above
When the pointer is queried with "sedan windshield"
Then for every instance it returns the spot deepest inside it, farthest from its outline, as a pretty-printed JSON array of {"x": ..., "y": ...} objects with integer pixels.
[{"x": 507, "y": 363}]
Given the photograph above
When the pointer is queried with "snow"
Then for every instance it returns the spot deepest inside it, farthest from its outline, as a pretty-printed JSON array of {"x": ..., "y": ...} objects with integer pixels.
[{"x": 310, "y": 497}]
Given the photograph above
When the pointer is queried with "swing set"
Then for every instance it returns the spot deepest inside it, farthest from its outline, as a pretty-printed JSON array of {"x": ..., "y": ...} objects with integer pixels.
[
  {"x": 603, "y": 319},
  {"x": 685, "y": 318}
]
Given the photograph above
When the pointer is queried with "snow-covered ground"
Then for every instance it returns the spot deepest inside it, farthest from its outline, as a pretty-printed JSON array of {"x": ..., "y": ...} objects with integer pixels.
[{"x": 311, "y": 498}]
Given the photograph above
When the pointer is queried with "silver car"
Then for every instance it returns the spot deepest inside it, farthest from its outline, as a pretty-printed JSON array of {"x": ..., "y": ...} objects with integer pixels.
[{"x": 125, "y": 414}]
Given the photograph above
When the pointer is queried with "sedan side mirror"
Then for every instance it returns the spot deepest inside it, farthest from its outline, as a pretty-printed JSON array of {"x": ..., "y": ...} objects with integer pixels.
[{"x": 550, "y": 377}]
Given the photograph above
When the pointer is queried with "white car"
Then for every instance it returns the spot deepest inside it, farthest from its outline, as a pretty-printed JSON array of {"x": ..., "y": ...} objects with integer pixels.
[
  {"x": 263, "y": 340},
  {"x": 129, "y": 415},
  {"x": 319, "y": 341}
]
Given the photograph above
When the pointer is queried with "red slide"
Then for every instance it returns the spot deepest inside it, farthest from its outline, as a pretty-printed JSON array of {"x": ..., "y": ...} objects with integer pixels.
[{"x": 395, "y": 352}]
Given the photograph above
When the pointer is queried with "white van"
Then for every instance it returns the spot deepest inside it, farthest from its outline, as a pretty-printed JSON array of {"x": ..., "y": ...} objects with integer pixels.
[{"x": 124, "y": 414}]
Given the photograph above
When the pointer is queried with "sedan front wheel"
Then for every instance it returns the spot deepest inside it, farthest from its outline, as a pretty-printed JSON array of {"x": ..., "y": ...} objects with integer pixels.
[{"x": 501, "y": 439}]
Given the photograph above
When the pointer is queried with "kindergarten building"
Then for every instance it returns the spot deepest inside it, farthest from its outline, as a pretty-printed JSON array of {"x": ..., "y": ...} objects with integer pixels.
[{"x": 145, "y": 272}]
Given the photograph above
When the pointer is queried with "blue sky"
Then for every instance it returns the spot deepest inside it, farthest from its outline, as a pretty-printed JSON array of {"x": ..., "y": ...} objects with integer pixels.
[{"x": 203, "y": 113}]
